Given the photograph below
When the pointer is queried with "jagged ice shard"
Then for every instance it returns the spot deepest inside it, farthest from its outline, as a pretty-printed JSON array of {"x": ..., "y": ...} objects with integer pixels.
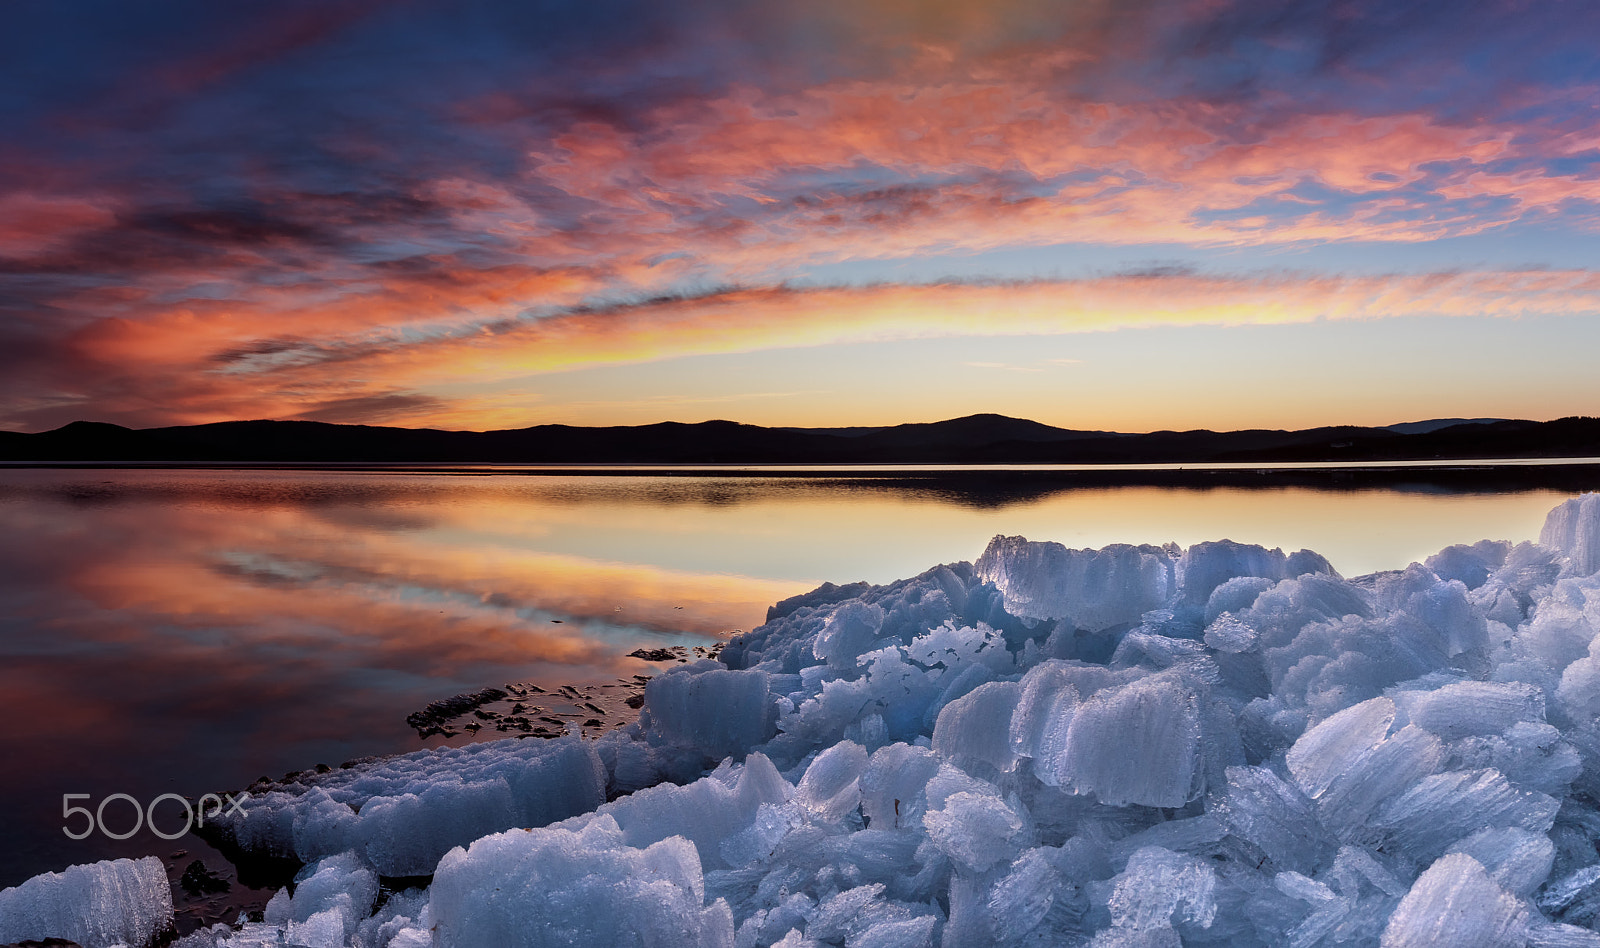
[{"x": 1134, "y": 746}]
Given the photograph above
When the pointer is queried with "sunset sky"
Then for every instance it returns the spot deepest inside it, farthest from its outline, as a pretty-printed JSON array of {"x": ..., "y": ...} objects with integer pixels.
[{"x": 1124, "y": 214}]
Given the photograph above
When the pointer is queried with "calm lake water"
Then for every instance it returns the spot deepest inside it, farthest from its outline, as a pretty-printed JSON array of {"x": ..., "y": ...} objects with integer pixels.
[{"x": 185, "y": 631}]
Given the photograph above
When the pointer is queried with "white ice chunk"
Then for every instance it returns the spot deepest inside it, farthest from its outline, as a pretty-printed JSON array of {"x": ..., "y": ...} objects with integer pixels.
[
  {"x": 1227, "y": 634},
  {"x": 956, "y": 648},
  {"x": 976, "y": 728},
  {"x": 1518, "y": 859},
  {"x": 1326, "y": 751},
  {"x": 400, "y": 912},
  {"x": 1456, "y": 903},
  {"x": 1159, "y": 888},
  {"x": 1471, "y": 565},
  {"x": 1349, "y": 766},
  {"x": 758, "y": 841},
  {"x": 114, "y": 902},
  {"x": 1206, "y": 566},
  {"x": 325, "y": 929},
  {"x": 976, "y": 830},
  {"x": 1044, "y": 710},
  {"x": 896, "y": 933},
  {"x": 1574, "y": 529},
  {"x": 850, "y": 631},
  {"x": 1355, "y": 868},
  {"x": 554, "y": 887},
  {"x": 1154, "y": 650},
  {"x": 1443, "y": 808},
  {"x": 861, "y": 916},
  {"x": 412, "y": 938},
  {"x": 1020, "y": 901},
  {"x": 1274, "y": 817},
  {"x": 1090, "y": 589},
  {"x": 1558, "y": 635},
  {"x": 1236, "y": 595},
  {"x": 833, "y": 918},
  {"x": 710, "y": 709},
  {"x": 1578, "y": 694},
  {"x": 894, "y": 784},
  {"x": 1532, "y": 756},
  {"x": 706, "y": 812},
  {"x": 831, "y": 786},
  {"x": 1563, "y": 892},
  {"x": 403, "y": 813},
  {"x": 1139, "y": 743},
  {"x": 330, "y": 898},
  {"x": 1470, "y": 708},
  {"x": 1302, "y": 887},
  {"x": 1562, "y": 936}
]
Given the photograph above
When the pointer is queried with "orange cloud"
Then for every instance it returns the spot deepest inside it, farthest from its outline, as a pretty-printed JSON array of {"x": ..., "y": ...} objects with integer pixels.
[
  {"x": 190, "y": 369},
  {"x": 982, "y": 165}
]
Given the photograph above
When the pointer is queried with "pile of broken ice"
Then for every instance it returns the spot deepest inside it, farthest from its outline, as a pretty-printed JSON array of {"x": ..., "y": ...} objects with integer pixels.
[{"x": 1134, "y": 746}]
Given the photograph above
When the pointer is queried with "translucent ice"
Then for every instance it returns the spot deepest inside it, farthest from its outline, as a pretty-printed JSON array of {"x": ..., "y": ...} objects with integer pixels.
[
  {"x": 976, "y": 728},
  {"x": 1518, "y": 859},
  {"x": 1457, "y": 903},
  {"x": 711, "y": 709},
  {"x": 893, "y": 785},
  {"x": 1236, "y": 595},
  {"x": 1274, "y": 818},
  {"x": 1470, "y": 708},
  {"x": 1350, "y": 765},
  {"x": 1160, "y": 887},
  {"x": 1206, "y": 566},
  {"x": 975, "y": 829},
  {"x": 116, "y": 902},
  {"x": 851, "y": 630},
  {"x": 403, "y": 813},
  {"x": 832, "y": 784},
  {"x": 1138, "y": 743},
  {"x": 1090, "y": 589},
  {"x": 550, "y": 887},
  {"x": 1227, "y": 634},
  {"x": 1043, "y": 714},
  {"x": 1020, "y": 901},
  {"x": 1574, "y": 529},
  {"x": 706, "y": 812},
  {"x": 1443, "y": 808},
  {"x": 1472, "y": 565},
  {"x": 330, "y": 899}
]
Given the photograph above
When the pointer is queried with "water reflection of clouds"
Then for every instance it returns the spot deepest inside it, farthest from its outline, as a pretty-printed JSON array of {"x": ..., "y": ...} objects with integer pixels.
[{"x": 157, "y": 638}]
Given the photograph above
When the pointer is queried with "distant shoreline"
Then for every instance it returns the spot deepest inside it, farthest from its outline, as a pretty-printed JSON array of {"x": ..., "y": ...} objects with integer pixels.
[
  {"x": 980, "y": 485},
  {"x": 976, "y": 441},
  {"x": 861, "y": 469}
]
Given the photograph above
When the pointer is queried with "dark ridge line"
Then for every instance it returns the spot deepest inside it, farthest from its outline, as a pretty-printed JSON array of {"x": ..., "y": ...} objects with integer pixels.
[{"x": 975, "y": 439}]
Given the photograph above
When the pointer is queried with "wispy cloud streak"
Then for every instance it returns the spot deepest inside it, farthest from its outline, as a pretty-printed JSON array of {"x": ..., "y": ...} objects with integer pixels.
[{"x": 395, "y": 379}]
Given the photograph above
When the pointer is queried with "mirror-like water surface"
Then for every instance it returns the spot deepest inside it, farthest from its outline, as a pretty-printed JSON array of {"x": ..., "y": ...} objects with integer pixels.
[{"x": 185, "y": 631}]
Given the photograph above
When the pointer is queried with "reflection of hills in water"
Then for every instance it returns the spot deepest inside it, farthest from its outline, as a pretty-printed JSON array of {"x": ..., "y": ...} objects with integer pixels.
[
  {"x": 391, "y": 504},
  {"x": 1002, "y": 488}
]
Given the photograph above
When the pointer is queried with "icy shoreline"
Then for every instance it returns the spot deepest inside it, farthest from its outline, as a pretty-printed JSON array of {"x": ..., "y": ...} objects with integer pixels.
[{"x": 1133, "y": 746}]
